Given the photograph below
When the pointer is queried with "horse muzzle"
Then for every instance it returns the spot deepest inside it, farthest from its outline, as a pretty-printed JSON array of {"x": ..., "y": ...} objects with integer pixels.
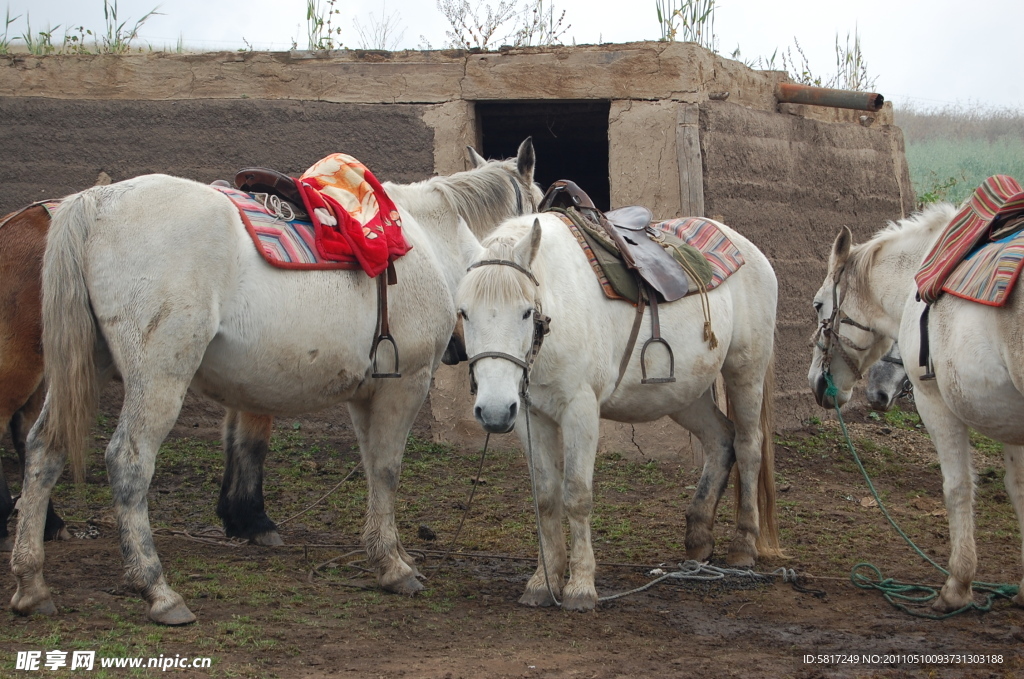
[
  {"x": 497, "y": 419},
  {"x": 820, "y": 396}
]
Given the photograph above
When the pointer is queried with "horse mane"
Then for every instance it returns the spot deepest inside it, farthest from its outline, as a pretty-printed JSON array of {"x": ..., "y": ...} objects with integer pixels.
[
  {"x": 493, "y": 285},
  {"x": 481, "y": 196},
  {"x": 919, "y": 230}
]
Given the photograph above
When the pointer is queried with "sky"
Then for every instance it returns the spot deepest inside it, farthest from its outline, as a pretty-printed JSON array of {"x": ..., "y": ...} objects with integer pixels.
[{"x": 926, "y": 54}]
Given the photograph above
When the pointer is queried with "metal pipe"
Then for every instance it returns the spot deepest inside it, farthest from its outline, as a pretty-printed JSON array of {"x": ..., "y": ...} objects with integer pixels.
[{"x": 790, "y": 93}]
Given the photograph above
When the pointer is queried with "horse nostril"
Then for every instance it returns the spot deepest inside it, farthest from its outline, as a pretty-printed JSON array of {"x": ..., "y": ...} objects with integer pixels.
[
  {"x": 512, "y": 410},
  {"x": 478, "y": 412}
]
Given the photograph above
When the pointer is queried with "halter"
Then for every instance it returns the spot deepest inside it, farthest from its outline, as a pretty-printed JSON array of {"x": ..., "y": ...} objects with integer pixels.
[
  {"x": 541, "y": 327},
  {"x": 907, "y": 387},
  {"x": 829, "y": 331}
]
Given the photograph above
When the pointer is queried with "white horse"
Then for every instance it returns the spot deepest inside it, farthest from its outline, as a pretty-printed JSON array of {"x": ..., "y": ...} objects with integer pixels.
[
  {"x": 573, "y": 384},
  {"x": 156, "y": 278},
  {"x": 868, "y": 300},
  {"x": 888, "y": 381}
]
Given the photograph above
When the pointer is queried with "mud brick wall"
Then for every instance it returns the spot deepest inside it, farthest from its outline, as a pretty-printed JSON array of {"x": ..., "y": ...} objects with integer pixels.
[
  {"x": 789, "y": 184},
  {"x": 53, "y": 147}
]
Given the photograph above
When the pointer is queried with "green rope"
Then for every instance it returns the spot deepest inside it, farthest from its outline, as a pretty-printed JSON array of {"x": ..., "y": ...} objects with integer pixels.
[{"x": 893, "y": 590}]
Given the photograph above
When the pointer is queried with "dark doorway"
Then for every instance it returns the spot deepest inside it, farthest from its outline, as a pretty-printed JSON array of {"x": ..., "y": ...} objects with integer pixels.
[{"x": 570, "y": 138}]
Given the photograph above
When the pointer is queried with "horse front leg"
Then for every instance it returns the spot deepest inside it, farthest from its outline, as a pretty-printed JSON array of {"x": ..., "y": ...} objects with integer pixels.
[
  {"x": 715, "y": 432},
  {"x": 952, "y": 443},
  {"x": 240, "y": 508},
  {"x": 382, "y": 423},
  {"x": 544, "y": 455},
  {"x": 580, "y": 422},
  {"x": 1013, "y": 456}
]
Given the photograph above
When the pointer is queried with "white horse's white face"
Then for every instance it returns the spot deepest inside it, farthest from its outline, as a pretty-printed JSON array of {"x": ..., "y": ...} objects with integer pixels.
[
  {"x": 497, "y": 302},
  {"x": 845, "y": 343}
]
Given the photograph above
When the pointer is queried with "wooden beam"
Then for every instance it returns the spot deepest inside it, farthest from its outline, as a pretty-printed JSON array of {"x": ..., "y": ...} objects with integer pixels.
[{"x": 691, "y": 166}]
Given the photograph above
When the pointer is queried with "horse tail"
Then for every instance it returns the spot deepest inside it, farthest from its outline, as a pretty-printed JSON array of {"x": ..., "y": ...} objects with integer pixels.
[
  {"x": 768, "y": 537},
  {"x": 69, "y": 333}
]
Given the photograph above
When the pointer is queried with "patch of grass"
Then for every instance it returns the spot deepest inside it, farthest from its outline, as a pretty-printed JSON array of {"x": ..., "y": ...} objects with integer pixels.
[
  {"x": 904, "y": 419},
  {"x": 986, "y": 446}
]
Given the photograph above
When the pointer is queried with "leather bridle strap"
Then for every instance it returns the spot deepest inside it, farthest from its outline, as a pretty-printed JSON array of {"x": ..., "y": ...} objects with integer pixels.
[{"x": 505, "y": 262}]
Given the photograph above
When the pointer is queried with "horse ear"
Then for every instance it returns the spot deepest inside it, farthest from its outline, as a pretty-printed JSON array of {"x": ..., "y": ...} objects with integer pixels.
[
  {"x": 526, "y": 249},
  {"x": 526, "y": 160},
  {"x": 475, "y": 159},
  {"x": 840, "y": 250}
]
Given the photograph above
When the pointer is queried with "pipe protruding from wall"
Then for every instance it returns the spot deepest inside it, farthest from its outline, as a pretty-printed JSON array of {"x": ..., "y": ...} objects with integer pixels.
[{"x": 791, "y": 93}]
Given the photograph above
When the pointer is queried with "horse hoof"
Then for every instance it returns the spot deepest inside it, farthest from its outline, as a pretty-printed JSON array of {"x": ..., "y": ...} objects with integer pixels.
[
  {"x": 1019, "y": 598},
  {"x": 269, "y": 539},
  {"x": 740, "y": 560},
  {"x": 175, "y": 614},
  {"x": 407, "y": 585},
  {"x": 953, "y": 598},
  {"x": 62, "y": 535},
  {"x": 42, "y": 607},
  {"x": 581, "y": 603},
  {"x": 536, "y": 599}
]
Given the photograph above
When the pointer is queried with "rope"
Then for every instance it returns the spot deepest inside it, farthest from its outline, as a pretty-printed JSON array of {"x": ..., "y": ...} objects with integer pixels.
[{"x": 893, "y": 590}]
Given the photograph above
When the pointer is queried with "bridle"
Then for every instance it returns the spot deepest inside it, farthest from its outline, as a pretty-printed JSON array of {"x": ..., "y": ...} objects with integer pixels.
[
  {"x": 541, "y": 327},
  {"x": 828, "y": 339}
]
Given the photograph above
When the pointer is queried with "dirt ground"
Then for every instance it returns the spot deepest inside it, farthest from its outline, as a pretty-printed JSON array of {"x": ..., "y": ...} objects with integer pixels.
[{"x": 309, "y": 610}]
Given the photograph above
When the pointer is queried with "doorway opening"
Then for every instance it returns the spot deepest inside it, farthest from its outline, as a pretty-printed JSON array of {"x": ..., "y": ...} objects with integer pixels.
[{"x": 570, "y": 139}]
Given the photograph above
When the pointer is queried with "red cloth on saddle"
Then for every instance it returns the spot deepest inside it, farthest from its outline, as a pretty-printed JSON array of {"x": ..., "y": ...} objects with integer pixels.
[
  {"x": 368, "y": 229},
  {"x": 997, "y": 196}
]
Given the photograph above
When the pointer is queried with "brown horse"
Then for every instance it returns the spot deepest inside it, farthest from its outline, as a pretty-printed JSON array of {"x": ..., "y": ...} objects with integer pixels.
[{"x": 22, "y": 239}]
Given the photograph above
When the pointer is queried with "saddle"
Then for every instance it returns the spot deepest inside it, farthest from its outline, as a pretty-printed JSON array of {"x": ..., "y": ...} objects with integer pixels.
[
  {"x": 658, "y": 273},
  {"x": 629, "y": 228},
  {"x": 265, "y": 180}
]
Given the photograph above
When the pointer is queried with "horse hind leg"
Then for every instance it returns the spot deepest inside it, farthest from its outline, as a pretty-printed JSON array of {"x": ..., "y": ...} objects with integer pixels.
[
  {"x": 715, "y": 433},
  {"x": 246, "y": 442},
  {"x": 22, "y": 421},
  {"x": 1014, "y": 482}
]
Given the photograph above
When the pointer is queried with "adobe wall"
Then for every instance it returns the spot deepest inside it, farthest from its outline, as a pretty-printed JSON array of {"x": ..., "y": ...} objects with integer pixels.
[{"x": 689, "y": 133}]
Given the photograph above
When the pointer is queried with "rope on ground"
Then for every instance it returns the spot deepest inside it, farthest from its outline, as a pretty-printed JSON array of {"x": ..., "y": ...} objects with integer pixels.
[
  {"x": 324, "y": 496},
  {"x": 893, "y": 590}
]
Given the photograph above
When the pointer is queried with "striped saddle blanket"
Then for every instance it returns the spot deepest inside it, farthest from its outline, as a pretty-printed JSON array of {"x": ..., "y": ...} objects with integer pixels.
[
  {"x": 988, "y": 274},
  {"x": 717, "y": 256},
  {"x": 978, "y": 257},
  {"x": 286, "y": 244}
]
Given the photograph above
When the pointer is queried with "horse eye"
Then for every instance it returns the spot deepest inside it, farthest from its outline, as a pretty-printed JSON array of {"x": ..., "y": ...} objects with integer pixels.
[
  {"x": 817, "y": 306},
  {"x": 527, "y": 313}
]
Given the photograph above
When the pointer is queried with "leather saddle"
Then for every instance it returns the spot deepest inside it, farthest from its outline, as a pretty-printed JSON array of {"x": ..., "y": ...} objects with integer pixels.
[
  {"x": 629, "y": 229},
  {"x": 265, "y": 180}
]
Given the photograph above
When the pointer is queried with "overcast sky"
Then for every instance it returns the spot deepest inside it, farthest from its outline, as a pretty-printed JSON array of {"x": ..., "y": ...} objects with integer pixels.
[{"x": 928, "y": 53}]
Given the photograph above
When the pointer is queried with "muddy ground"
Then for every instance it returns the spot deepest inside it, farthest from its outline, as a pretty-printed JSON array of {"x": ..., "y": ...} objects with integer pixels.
[{"x": 309, "y": 609}]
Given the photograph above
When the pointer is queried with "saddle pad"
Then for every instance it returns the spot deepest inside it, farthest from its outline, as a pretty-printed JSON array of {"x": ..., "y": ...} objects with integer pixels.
[
  {"x": 721, "y": 256},
  {"x": 352, "y": 214},
  {"x": 997, "y": 196},
  {"x": 704, "y": 235},
  {"x": 988, "y": 275},
  {"x": 284, "y": 244}
]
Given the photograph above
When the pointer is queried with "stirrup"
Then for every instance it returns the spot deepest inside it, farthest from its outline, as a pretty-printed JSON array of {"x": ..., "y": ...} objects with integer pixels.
[
  {"x": 643, "y": 364},
  {"x": 373, "y": 356}
]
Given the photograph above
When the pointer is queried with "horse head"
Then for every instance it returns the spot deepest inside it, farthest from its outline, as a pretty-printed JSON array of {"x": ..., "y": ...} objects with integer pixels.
[
  {"x": 888, "y": 381},
  {"x": 846, "y": 341},
  {"x": 499, "y": 304}
]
